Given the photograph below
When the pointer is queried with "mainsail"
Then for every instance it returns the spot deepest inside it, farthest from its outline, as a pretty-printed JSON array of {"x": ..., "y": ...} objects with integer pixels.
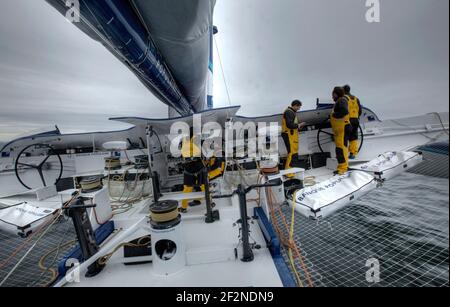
[{"x": 166, "y": 43}]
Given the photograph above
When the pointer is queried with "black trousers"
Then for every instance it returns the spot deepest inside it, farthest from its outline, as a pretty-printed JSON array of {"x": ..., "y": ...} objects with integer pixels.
[
  {"x": 340, "y": 156},
  {"x": 354, "y": 130},
  {"x": 193, "y": 175}
]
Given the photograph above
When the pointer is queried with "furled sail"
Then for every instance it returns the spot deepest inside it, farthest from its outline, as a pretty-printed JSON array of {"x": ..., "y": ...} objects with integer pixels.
[{"x": 166, "y": 43}]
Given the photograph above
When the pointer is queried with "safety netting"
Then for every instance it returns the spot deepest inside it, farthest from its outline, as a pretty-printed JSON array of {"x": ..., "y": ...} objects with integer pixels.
[
  {"x": 396, "y": 236},
  {"x": 436, "y": 163},
  {"x": 32, "y": 261}
]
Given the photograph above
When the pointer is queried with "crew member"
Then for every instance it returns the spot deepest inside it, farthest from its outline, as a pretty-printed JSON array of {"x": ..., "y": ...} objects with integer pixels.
[
  {"x": 290, "y": 133},
  {"x": 340, "y": 122},
  {"x": 193, "y": 170},
  {"x": 355, "y": 111}
]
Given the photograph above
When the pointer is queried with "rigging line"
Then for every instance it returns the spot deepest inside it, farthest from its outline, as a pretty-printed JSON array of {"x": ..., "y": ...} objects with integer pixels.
[
  {"x": 31, "y": 248},
  {"x": 50, "y": 268},
  {"x": 441, "y": 121},
  {"x": 223, "y": 72},
  {"x": 44, "y": 228}
]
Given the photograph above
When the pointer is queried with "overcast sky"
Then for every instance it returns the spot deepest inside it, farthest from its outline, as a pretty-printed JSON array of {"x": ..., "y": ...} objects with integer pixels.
[{"x": 273, "y": 51}]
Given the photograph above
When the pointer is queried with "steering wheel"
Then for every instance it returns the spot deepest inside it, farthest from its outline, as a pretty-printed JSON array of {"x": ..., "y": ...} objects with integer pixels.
[
  {"x": 325, "y": 137},
  {"x": 40, "y": 167}
]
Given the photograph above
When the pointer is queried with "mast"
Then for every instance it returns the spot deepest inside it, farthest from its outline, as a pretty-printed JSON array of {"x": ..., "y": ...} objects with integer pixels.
[{"x": 210, "y": 84}]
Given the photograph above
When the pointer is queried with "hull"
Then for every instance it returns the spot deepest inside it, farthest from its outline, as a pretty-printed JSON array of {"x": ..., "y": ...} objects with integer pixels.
[
  {"x": 197, "y": 254},
  {"x": 379, "y": 137}
]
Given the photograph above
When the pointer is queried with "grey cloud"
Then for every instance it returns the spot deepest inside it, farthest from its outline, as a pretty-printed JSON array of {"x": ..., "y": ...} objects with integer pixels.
[{"x": 272, "y": 52}]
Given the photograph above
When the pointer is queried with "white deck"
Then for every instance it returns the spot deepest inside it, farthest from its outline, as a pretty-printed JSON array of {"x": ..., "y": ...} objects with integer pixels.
[{"x": 209, "y": 253}]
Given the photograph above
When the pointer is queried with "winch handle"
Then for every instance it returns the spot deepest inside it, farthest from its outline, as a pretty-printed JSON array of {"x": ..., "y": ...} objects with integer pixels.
[
  {"x": 249, "y": 188},
  {"x": 266, "y": 185},
  {"x": 223, "y": 196}
]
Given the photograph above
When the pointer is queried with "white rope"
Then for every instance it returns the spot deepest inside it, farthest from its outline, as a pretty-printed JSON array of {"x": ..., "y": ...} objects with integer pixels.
[
  {"x": 223, "y": 72},
  {"x": 442, "y": 122}
]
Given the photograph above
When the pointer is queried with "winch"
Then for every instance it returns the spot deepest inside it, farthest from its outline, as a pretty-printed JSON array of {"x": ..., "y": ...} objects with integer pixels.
[
  {"x": 91, "y": 184},
  {"x": 93, "y": 192},
  {"x": 112, "y": 163},
  {"x": 168, "y": 248},
  {"x": 164, "y": 214},
  {"x": 269, "y": 168}
]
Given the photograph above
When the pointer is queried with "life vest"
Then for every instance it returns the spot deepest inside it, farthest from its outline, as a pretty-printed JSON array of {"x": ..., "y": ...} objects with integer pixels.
[
  {"x": 353, "y": 107},
  {"x": 284, "y": 126}
]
